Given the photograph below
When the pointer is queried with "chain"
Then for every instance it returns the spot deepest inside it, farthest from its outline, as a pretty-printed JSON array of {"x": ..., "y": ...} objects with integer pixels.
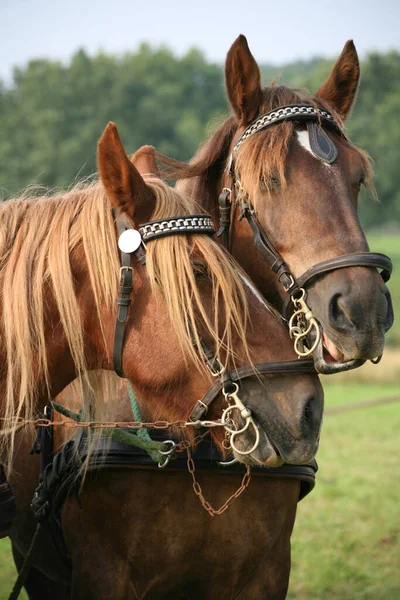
[
  {"x": 43, "y": 422},
  {"x": 199, "y": 492}
]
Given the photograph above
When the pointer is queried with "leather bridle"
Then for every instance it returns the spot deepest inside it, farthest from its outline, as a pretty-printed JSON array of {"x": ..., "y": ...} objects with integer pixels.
[
  {"x": 303, "y": 326},
  {"x": 226, "y": 382}
]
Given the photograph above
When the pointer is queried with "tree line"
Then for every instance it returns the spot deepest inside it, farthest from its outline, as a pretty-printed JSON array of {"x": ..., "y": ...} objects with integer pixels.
[{"x": 52, "y": 114}]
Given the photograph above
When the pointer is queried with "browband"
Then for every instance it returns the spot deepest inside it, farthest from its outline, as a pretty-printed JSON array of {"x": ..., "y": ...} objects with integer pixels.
[
  {"x": 177, "y": 225},
  {"x": 291, "y": 112}
]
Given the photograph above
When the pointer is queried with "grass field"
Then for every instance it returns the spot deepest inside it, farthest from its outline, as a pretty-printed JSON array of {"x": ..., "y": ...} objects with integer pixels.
[{"x": 346, "y": 543}]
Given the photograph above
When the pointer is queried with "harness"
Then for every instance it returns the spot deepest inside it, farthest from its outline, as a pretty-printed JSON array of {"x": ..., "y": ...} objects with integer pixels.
[
  {"x": 59, "y": 477},
  {"x": 303, "y": 326}
]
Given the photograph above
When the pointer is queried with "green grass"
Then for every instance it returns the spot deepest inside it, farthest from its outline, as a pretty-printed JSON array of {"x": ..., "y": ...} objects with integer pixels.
[
  {"x": 8, "y": 573},
  {"x": 346, "y": 543}
]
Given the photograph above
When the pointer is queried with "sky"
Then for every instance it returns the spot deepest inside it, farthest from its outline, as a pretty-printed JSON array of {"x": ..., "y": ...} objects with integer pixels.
[{"x": 277, "y": 31}]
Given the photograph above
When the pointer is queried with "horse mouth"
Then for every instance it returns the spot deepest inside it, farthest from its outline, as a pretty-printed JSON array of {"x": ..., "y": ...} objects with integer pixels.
[
  {"x": 328, "y": 359},
  {"x": 331, "y": 352},
  {"x": 268, "y": 446}
]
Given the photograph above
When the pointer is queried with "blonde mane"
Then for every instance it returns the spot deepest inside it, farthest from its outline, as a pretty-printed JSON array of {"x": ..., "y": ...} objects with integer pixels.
[{"x": 38, "y": 237}]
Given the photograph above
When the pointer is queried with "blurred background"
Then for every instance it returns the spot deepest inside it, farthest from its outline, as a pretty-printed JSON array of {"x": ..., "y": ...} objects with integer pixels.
[{"x": 66, "y": 69}]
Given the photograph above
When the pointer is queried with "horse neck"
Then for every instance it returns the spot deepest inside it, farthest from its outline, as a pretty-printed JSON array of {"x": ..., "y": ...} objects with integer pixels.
[{"x": 61, "y": 367}]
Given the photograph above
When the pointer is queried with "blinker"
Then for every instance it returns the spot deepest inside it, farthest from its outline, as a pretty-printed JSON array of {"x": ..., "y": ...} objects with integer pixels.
[{"x": 320, "y": 143}]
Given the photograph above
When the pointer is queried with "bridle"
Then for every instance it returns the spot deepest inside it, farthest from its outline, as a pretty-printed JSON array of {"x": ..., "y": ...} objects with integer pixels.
[
  {"x": 304, "y": 328},
  {"x": 132, "y": 242}
]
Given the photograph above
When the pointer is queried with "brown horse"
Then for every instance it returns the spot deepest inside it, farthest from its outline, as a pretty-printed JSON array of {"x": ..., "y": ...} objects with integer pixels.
[
  {"x": 303, "y": 182},
  {"x": 228, "y": 313}
]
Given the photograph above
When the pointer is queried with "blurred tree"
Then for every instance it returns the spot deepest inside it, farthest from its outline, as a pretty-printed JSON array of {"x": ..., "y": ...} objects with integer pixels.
[{"x": 53, "y": 114}]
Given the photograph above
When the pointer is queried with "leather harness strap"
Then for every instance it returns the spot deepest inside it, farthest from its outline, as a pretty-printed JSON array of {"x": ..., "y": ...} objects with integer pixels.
[
  {"x": 355, "y": 259},
  {"x": 267, "y": 368},
  {"x": 124, "y": 297},
  {"x": 190, "y": 224}
]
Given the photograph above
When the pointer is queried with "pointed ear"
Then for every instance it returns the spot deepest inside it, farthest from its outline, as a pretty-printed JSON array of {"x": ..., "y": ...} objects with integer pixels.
[
  {"x": 340, "y": 89},
  {"x": 124, "y": 186},
  {"x": 144, "y": 160},
  {"x": 242, "y": 78}
]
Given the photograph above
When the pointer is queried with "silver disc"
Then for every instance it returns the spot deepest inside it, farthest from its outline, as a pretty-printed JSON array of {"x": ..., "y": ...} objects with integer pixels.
[{"x": 129, "y": 241}]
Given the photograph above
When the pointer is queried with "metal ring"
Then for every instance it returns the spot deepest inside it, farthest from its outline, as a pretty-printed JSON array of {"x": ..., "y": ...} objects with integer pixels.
[
  {"x": 227, "y": 394},
  {"x": 171, "y": 450},
  {"x": 164, "y": 464}
]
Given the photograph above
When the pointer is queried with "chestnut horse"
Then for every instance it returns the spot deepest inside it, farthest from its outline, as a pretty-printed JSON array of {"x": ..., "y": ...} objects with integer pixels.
[
  {"x": 169, "y": 376},
  {"x": 301, "y": 175}
]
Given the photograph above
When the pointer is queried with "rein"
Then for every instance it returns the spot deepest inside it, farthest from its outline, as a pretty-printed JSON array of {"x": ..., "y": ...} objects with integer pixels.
[{"x": 304, "y": 328}]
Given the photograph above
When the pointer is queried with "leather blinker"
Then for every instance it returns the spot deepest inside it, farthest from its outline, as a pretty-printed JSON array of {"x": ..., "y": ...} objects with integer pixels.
[{"x": 321, "y": 144}]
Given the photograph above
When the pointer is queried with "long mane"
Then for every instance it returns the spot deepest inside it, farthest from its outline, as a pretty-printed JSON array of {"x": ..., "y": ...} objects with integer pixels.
[
  {"x": 39, "y": 235},
  {"x": 262, "y": 158}
]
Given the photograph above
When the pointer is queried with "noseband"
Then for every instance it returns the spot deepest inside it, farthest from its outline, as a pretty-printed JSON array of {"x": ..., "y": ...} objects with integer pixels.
[
  {"x": 304, "y": 328},
  {"x": 132, "y": 242}
]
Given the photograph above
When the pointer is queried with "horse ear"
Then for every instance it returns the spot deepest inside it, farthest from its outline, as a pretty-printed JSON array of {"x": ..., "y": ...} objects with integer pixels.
[
  {"x": 144, "y": 160},
  {"x": 124, "y": 185},
  {"x": 243, "y": 82},
  {"x": 340, "y": 89}
]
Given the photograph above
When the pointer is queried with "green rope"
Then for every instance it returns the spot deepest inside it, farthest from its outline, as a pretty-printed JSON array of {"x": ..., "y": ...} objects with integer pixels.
[
  {"x": 143, "y": 433},
  {"x": 131, "y": 438}
]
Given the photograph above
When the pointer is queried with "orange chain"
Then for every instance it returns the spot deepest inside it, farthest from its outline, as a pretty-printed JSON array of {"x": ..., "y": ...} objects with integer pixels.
[
  {"x": 106, "y": 424},
  {"x": 199, "y": 492}
]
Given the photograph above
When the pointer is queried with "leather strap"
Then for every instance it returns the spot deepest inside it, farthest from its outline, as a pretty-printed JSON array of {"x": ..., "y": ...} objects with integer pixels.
[
  {"x": 190, "y": 224},
  {"x": 124, "y": 298},
  {"x": 236, "y": 375},
  {"x": 225, "y": 206},
  {"x": 355, "y": 259}
]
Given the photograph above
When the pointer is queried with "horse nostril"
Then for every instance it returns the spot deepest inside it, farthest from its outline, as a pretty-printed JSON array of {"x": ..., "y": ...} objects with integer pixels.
[
  {"x": 389, "y": 314},
  {"x": 311, "y": 415},
  {"x": 337, "y": 316}
]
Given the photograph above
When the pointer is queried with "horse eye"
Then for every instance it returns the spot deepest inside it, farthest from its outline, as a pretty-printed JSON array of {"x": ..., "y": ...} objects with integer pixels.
[
  {"x": 200, "y": 270},
  {"x": 270, "y": 184}
]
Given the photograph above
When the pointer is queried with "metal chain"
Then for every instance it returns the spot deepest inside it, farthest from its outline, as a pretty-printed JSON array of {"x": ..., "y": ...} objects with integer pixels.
[
  {"x": 199, "y": 492},
  {"x": 43, "y": 422}
]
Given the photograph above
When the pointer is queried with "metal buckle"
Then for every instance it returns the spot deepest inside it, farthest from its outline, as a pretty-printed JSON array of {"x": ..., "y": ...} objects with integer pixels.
[
  {"x": 215, "y": 372},
  {"x": 292, "y": 283},
  {"x": 122, "y": 272}
]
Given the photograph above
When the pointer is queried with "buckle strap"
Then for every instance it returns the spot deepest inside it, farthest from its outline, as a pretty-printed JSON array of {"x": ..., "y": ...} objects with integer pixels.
[{"x": 225, "y": 206}]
